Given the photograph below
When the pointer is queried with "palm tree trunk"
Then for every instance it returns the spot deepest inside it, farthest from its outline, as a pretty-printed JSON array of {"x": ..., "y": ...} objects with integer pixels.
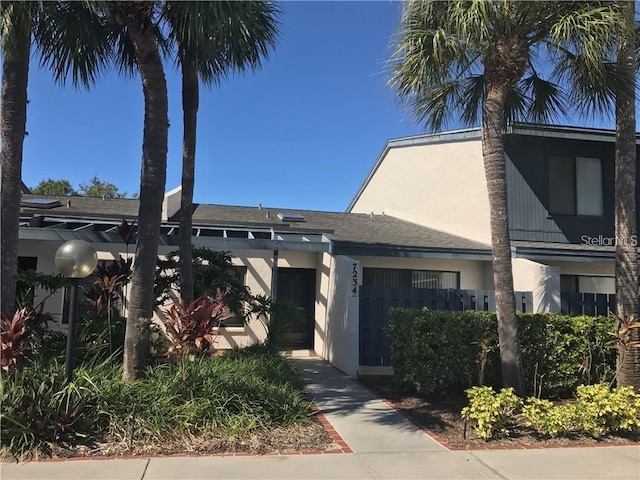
[
  {"x": 627, "y": 291},
  {"x": 190, "y": 102},
  {"x": 495, "y": 172},
  {"x": 152, "y": 186},
  {"x": 13, "y": 119}
]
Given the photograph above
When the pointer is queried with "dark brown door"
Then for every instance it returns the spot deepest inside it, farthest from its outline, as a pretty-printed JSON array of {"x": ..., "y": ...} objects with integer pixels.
[{"x": 298, "y": 286}]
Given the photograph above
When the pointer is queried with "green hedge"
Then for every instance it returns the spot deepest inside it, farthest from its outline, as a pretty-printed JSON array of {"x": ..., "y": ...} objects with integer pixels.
[{"x": 438, "y": 351}]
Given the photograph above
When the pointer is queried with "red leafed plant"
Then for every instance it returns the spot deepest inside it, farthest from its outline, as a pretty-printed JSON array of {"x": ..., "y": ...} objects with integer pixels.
[
  {"x": 192, "y": 328},
  {"x": 13, "y": 333}
]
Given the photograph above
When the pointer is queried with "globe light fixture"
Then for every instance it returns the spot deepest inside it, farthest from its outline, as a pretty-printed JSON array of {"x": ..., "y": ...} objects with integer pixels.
[{"x": 74, "y": 259}]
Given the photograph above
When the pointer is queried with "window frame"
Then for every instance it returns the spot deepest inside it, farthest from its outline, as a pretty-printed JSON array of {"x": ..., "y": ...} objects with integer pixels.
[{"x": 574, "y": 158}]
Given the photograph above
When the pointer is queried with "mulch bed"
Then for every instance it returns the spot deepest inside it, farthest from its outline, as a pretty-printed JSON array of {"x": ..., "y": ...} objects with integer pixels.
[
  {"x": 441, "y": 415},
  {"x": 282, "y": 440}
]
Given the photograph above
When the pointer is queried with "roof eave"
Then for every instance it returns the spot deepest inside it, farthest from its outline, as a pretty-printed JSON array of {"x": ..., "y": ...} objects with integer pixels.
[{"x": 401, "y": 251}]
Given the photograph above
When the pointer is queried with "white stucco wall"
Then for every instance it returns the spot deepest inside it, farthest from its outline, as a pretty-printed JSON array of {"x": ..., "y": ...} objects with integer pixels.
[
  {"x": 171, "y": 203},
  {"x": 341, "y": 337},
  {"x": 542, "y": 280},
  {"x": 440, "y": 185},
  {"x": 606, "y": 269}
]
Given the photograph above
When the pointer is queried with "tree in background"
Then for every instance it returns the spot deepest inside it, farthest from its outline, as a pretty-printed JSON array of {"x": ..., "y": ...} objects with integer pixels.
[
  {"x": 94, "y": 188},
  {"x": 477, "y": 59},
  {"x": 99, "y": 188},
  {"x": 211, "y": 40},
  {"x": 54, "y": 187}
]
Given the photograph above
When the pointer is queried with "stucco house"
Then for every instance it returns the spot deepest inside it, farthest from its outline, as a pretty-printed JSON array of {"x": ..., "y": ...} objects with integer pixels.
[
  {"x": 315, "y": 259},
  {"x": 419, "y": 221},
  {"x": 560, "y": 189}
]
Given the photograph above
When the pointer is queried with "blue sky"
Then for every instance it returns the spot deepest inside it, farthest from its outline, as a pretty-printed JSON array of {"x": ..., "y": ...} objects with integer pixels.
[{"x": 301, "y": 133}]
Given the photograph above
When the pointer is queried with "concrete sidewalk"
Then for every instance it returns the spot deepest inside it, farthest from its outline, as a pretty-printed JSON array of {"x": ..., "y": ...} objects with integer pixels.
[{"x": 385, "y": 445}]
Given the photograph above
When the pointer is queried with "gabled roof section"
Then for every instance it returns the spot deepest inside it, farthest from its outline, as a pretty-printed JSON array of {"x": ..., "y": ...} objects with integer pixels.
[
  {"x": 417, "y": 140},
  {"x": 516, "y": 128}
]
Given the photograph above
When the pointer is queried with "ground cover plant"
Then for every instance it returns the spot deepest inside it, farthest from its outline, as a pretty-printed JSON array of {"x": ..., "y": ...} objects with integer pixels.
[
  {"x": 440, "y": 414},
  {"x": 211, "y": 404}
]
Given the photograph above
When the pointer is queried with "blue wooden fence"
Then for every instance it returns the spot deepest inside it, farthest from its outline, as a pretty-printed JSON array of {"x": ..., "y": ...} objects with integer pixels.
[
  {"x": 375, "y": 303},
  {"x": 587, "y": 303}
]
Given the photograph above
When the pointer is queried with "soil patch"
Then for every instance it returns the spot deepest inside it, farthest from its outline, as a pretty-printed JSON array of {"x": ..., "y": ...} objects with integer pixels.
[{"x": 441, "y": 415}]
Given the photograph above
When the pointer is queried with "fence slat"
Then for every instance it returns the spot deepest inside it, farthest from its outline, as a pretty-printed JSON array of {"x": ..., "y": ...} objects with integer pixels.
[{"x": 375, "y": 303}]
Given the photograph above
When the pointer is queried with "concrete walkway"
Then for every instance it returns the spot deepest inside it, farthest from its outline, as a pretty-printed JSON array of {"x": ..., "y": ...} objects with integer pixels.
[{"x": 385, "y": 446}]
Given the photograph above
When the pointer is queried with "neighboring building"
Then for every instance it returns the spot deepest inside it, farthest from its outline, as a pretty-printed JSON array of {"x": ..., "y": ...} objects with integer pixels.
[
  {"x": 420, "y": 219},
  {"x": 560, "y": 188}
]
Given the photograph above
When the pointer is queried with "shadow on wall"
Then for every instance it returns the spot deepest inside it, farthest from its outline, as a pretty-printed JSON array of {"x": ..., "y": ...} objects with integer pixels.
[
  {"x": 341, "y": 334},
  {"x": 255, "y": 272}
]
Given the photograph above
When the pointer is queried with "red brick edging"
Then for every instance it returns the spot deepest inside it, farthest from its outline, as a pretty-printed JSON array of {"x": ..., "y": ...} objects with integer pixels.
[
  {"x": 344, "y": 448},
  {"x": 447, "y": 445}
]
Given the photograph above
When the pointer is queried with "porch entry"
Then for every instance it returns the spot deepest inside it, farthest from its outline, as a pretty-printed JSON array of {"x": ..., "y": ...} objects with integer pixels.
[{"x": 298, "y": 286}]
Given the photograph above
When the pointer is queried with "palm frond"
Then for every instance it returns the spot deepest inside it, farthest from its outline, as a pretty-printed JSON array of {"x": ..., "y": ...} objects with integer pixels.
[
  {"x": 15, "y": 15},
  {"x": 436, "y": 106},
  {"x": 546, "y": 100},
  {"x": 73, "y": 41},
  {"x": 472, "y": 97},
  {"x": 592, "y": 91},
  {"x": 221, "y": 37},
  {"x": 430, "y": 63}
]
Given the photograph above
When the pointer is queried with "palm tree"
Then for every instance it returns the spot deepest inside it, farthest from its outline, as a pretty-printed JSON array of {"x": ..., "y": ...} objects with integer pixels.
[
  {"x": 212, "y": 39},
  {"x": 16, "y": 19},
  {"x": 77, "y": 51},
  {"x": 625, "y": 195},
  {"x": 479, "y": 57},
  {"x": 140, "y": 31},
  {"x": 130, "y": 37}
]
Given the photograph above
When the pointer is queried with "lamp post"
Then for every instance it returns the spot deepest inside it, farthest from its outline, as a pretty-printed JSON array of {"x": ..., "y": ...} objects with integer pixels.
[{"x": 74, "y": 259}]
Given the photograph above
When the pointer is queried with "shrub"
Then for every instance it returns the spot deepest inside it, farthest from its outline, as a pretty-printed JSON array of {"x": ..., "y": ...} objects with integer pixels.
[
  {"x": 603, "y": 411},
  {"x": 598, "y": 411},
  {"x": 38, "y": 406},
  {"x": 491, "y": 413},
  {"x": 233, "y": 394},
  {"x": 441, "y": 351},
  {"x": 435, "y": 351},
  {"x": 549, "y": 419}
]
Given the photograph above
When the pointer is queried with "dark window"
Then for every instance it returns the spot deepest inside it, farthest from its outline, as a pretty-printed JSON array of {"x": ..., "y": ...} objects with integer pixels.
[
  {"x": 569, "y": 283},
  {"x": 575, "y": 186},
  {"x": 403, "y": 278},
  {"x": 27, "y": 263}
]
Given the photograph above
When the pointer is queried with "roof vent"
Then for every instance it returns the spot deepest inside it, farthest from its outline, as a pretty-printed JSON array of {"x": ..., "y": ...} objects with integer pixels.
[
  {"x": 42, "y": 203},
  {"x": 291, "y": 217}
]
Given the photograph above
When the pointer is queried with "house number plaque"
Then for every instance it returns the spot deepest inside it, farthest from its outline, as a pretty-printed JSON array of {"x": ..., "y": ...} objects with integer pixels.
[{"x": 354, "y": 279}]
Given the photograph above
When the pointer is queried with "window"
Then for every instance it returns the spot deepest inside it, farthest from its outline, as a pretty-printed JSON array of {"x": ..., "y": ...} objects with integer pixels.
[
  {"x": 575, "y": 186},
  {"x": 587, "y": 284},
  {"x": 403, "y": 278}
]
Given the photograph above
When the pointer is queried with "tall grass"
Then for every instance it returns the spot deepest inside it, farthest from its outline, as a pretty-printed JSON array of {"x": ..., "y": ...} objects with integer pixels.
[{"x": 233, "y": 394}]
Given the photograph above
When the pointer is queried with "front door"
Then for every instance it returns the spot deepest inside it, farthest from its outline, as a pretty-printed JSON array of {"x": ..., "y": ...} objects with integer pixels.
[{"x": 298, "y": 286}]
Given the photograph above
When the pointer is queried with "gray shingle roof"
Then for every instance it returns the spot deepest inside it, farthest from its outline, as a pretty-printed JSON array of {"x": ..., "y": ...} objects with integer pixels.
[
  {"x": 354, "y": 228},
  {"x": 116, "y": 208},
  {"x": 338, "y": 226}
]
